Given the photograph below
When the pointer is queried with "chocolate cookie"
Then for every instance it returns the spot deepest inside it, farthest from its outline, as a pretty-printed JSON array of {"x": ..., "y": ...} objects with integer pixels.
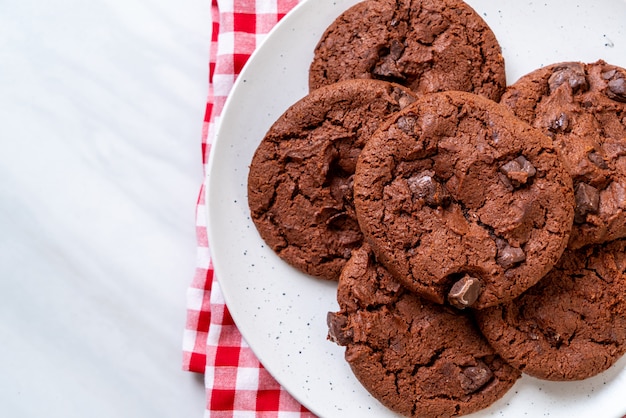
[
  {"x": 417, "y": 358},
  {"x": 582, "y": 107},
  {"x": 572, "y": 324},
  {"x": 463, "y": 201},
  {"x": 427, "y": 45},
  {"x": 300, "y": 179}
]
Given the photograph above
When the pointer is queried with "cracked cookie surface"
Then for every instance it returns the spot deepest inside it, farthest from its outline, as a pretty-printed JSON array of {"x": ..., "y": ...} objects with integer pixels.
[
  {"x": 572, "y": 324},
  {"x": 462, "y": 201},
  {"x": 427, "y": 45},
  {"x": 300, "y": 178},
  {"x": 417, "y": 358},
  {"x": 582, "y": 107}
]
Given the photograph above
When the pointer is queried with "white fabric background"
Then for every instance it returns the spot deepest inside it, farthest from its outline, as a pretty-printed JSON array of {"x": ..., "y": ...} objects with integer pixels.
[{"x": 101, "y": 109}]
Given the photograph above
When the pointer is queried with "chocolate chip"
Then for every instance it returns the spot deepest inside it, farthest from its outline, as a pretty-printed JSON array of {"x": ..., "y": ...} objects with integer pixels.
[
  {"x": 337, "y": 331},
  {"x": 560, "y": 124},
  {"x": 553, "y": 337},
  {"x": 597, "y": 159},
  {"x": 405, "y": 100},
  {"x": 407, "y": 123},
  {"x": 475, "y": 377},
  {"x": 508, "y": 256},
  {"x": 617, "y": 89},
  {"x": 587, "y": 201},
  {"x": 518, "y": 171},
  {"x": 426, "y": 187},
  {"x": 573, "y": 74},
  {"x": 507, "y": 183},
  {"x": 396, "y": 49},
  {"x": 464, "y": 292},
  {"x": 387, "y": 66},
  {"x": 616, "y": 84},
  {"x": 607, "y": 75}
]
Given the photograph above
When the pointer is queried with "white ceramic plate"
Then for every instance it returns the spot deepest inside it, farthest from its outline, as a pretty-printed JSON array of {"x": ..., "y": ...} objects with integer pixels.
[{"x": 281, "y": 312}]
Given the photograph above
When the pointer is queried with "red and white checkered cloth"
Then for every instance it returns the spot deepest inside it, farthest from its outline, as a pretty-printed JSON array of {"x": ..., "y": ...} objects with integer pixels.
[{"x": 236, "y": 383}]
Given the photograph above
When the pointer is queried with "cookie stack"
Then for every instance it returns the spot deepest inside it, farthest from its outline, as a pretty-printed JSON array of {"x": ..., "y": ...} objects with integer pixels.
[{"x": 477, "y": 231}]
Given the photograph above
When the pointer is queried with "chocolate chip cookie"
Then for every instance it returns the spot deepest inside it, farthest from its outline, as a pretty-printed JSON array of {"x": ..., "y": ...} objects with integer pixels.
[
  {"x": 572, "y": 324},
  {"x": 417, "y": 358},
  {"x": 300, "y": 179},
  {"x": 582, "y": 107},
  {"x": 462, "y": 201},
  {"x": 427, "y": 45}
]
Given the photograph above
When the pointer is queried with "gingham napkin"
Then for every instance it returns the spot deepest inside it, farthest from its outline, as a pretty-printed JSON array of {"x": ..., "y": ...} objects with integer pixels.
[{"x": 236, "y": 383}]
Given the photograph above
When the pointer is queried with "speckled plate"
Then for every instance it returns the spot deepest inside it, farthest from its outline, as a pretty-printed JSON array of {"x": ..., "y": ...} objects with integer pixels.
[{"x": 281, "y": 312}]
